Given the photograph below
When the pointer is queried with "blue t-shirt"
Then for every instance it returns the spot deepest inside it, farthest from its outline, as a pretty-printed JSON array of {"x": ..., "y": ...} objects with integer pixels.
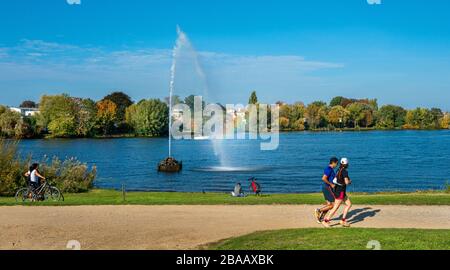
[{"x": 330, "y": 173}]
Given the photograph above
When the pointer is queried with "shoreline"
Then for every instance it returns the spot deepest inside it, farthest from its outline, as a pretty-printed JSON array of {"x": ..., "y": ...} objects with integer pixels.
[
  {"x": 111, "y": 197},
  {"x": 132, "y": 136}
]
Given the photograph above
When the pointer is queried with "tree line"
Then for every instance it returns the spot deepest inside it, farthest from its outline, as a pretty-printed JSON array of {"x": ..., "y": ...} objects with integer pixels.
[
  {"x": 63, "y": 116},
  {"x": 116, "y": 114},
  {"x": 347, "y": 113}
]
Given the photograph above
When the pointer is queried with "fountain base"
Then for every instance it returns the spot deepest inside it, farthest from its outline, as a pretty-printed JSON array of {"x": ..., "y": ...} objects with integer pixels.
[{"x": 170, "y": 165}]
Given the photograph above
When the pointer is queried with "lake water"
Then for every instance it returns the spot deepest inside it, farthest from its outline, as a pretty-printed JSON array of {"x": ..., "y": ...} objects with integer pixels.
[{"x": 380, "y": 161}]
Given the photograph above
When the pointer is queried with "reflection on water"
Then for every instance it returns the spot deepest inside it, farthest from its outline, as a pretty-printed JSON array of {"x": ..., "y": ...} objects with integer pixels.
[
  {"x": 405, "y": 160},
  {"x": 232, "y": 169}
]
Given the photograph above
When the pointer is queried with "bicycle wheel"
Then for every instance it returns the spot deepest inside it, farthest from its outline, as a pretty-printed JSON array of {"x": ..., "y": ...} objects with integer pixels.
[
  {"x": 53, "y": 194},
  {"x": 24, "y": 195}
]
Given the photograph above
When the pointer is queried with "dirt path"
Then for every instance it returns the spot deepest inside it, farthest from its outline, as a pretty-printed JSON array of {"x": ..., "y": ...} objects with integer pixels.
[{"x": 182, "y": 227}]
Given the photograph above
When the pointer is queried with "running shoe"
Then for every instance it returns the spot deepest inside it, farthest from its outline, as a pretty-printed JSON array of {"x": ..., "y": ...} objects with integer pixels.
[
  {"x": 318, "y": 215},
  {"x": 326, "y": 224},
  {"x": 345, "y": 224}
]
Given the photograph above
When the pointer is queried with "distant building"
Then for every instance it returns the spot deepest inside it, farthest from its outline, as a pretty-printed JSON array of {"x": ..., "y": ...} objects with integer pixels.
[
  {"x": 177, "y": 114},
  {"x": 25, "y": 111}
]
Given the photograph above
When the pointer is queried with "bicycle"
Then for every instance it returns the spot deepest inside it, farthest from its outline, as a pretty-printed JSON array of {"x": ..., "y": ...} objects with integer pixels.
[{"x": 45, "y": 192}]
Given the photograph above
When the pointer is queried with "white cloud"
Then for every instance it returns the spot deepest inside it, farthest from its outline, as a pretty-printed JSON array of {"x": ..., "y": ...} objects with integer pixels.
[
  {"x": 3, "y": 53},
  {"x": 74, "y": 2},
  {"x": 145, "y": 72},
  {"x": 374, "y": 2}
]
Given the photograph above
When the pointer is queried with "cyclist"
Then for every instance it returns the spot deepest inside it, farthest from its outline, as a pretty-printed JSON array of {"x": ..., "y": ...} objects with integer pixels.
[{"x": 34, "y": 176}]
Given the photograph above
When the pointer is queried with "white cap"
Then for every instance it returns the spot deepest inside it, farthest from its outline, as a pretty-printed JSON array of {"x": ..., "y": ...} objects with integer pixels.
[{"x": 344, "y": 161}]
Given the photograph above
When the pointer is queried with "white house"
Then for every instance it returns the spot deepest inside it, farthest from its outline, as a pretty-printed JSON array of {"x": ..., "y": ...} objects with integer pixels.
[
  {"x": 177, "y": 114},
  {"x": 25, "y": 111}
]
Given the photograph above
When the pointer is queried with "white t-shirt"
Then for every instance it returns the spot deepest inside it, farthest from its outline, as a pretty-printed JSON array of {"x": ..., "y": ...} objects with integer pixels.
[{"x": 33, "y": 177}]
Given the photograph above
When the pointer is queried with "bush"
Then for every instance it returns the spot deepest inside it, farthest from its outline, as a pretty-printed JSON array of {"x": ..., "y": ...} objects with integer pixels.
[
  {"x": 11, "y": 168},
  {"x": 70, "y": 175}
]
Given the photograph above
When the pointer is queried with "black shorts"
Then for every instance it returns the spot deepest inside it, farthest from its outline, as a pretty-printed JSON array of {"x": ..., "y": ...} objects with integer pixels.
[
  {"x": 328, "y": 194},
  {"x": 34, "y": 185},
  {"x": 340, "y": 193}
]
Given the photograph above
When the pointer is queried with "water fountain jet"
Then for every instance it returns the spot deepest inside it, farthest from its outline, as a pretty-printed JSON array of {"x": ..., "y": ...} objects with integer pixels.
[{"x": 171, "y": 165}]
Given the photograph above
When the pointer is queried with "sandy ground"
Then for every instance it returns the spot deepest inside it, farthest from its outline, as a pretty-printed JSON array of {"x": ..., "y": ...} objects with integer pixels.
[{"x": 182, "y": 227}]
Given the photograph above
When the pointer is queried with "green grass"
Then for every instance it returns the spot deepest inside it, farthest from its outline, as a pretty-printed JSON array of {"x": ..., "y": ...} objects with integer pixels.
[
  {"x": 338, "y": 239},
  {"x": 111, "y": 197}
]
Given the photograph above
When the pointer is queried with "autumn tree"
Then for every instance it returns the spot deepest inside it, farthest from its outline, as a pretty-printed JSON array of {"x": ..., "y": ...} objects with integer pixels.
[
  {"x": 445, "y": 121},
  {"x": 106, "y": 116},
  {"x": 338, "y": 116},
  {"x": 122, "y": 101}
]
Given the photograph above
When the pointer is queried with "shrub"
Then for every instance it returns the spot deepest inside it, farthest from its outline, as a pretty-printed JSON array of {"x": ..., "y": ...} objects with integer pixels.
[
  {"x": 70, "y": 175},
  {"x": 11, "y": 168}
]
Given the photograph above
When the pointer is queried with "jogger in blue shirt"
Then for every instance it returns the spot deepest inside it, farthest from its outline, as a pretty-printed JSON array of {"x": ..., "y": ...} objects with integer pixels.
[{"x": 327, "y": 189}]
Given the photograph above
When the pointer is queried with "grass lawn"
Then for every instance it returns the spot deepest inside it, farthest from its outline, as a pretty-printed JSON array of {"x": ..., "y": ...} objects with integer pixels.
[
  {"x": 111, "y": 197},
  {"x": 338, "y": 239}
]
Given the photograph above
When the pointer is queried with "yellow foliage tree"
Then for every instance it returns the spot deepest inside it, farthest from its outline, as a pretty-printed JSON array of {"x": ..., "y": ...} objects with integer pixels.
[
  {"x": 445, "y": 121},
  {"x": 106, "y": 115}
]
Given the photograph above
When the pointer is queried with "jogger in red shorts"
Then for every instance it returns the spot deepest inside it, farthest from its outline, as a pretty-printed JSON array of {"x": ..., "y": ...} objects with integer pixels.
[{"x": 342, "y": 180}]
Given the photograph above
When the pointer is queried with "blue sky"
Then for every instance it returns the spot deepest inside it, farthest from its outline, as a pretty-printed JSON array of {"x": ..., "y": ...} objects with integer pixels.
[{"x": 397, "y": 51}]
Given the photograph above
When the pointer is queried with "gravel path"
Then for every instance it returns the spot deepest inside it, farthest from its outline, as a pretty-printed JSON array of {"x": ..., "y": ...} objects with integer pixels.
[{"x": 182, "y": 227}]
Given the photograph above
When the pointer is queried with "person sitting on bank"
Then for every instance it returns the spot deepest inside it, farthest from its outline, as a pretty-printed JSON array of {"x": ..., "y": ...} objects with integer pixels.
[
  {"x": 255, "y": 186},
  {"x": 238, "y": 191}
]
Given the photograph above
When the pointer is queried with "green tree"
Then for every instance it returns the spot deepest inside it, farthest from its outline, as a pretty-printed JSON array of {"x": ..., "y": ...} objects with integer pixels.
[
  {"x": 420, "y": 118},
  {"x": 253, "y": 98},
  {"x": 337, "y": 101},
  {"x": 373, "y": 103},
  {"x": 316, "y": 114},
  {"x": 149, "y": 117},
  {"x": 357, "y": 113},
  {"x": 59, "y": 114},
  {"x": 8, "y": 123},
  {"x": 391, "y": 117},
  {"x": 63, "y": 126},
  {"x": 437, "y": 116},
  {"x": 27, "y": 128},
  {"x": 298, "y": 112},
  {"x": 87, "y": 116},
  {"x": 175, "y": 100},
  {"x": 28, "y": 104},
  {"x": 190, "y": 101},
  {"x": 2, "y": 109},
  {"x": 368, "y": 115}
]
